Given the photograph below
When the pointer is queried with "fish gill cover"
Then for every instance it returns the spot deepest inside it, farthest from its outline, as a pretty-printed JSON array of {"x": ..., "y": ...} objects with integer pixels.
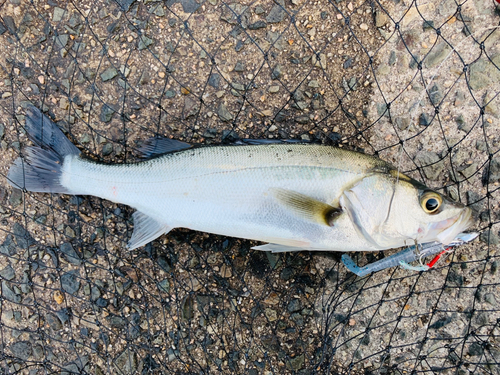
[{"x": 416, "y": 83}]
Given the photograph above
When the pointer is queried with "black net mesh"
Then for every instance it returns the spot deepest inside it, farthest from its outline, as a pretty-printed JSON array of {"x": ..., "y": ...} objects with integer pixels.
[{"x": 417, "y": 83}]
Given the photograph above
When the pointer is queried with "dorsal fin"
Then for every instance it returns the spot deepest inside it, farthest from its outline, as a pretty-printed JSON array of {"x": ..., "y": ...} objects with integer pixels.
[{"x": 160, "y": 145}]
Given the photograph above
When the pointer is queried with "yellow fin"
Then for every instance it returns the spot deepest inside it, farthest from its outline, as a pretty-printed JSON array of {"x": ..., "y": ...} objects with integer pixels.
[{"x": 307, "y": 207}]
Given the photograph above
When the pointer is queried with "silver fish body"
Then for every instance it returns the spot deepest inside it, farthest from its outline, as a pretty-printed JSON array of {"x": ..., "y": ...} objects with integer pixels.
[{"x": 293, "y": 196}]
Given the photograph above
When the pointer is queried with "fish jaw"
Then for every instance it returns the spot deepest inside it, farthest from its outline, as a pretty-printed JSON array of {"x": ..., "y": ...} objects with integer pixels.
[{"x": 445, "y": 231}]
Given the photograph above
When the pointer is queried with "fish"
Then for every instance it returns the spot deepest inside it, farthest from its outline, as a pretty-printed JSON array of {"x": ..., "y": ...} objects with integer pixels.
[{"x": 291, "y": 196}]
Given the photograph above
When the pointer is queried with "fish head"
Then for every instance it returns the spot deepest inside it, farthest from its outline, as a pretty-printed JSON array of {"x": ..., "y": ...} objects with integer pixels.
[
  {"x": 434, "y": 216},
  {"x": 392, "y": 210}
]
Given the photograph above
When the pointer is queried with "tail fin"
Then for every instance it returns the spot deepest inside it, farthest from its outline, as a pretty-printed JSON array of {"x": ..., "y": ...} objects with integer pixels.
[{"x": 40, "y": 168}]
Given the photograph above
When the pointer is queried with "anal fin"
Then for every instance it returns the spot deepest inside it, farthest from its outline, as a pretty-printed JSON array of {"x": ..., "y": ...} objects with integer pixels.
[
  {"x": 277, "y": 248},
  {"x": 146, "y": 229}
]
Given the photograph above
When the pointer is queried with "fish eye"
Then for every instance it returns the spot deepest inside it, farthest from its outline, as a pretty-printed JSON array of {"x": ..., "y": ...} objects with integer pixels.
[{"x": 431, "y": 202}]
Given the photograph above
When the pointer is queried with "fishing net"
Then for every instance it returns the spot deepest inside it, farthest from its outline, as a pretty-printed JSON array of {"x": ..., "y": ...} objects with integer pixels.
[{"x": 416, "y": 83}]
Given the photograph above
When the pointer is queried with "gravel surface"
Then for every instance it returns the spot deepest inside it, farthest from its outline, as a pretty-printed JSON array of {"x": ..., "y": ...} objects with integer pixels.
[{"x": 418, "y": 87}]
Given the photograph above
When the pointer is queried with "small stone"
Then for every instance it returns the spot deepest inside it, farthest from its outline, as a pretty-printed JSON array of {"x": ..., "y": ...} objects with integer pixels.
[
  {"x": 191, "y": 107},
  {"x": 428, "y": 25},
  {"x": 109, "y": 74},
  {"x": 187, "y": 312},
  {"x": 101, "y": 302},
  {"x": 185, "y": 90},
  {"x": 7, "y": 273},
  {"x": 70, "y": 254},
  {"x": 274, "y": 89},
  {"x": 437, "y": 55},
  {"x": 54, "y": 322},
  {"x": 9, "y": 294},
  {"x": 492, "y": 171},
  {"x": 489, "y": 237},
  {"x": 144, "y": 42},
  {"x": 476, "y": 349},
  {"x": 16, "y": 197},
  {"x": 381, "y": 18},
  {"x": 257, "y": 25},
  {"x": 2, "y": 131},
  {"x": 169, "y": 94},
  {"x": 226, "y": 271},
  {"x": 271, "y": 314},
  {"x": 125, "y": 4},
  {"x": 468, "y": 170},
  {"x": 321, "y": 62},
  {"x": 491, "y": 103},
  {"x": 277, "y": 72},
  {"x": 270, "y": 342},
  {"x": 490, "y": 298},
  {"x": 70, "y": 232},
  {"x": 296, "y": 363},
  {"x": 58, "y": 14},
  {"x": 277, "y": 14},
  {"x": 3, "y": 29},
  {"x": 484, "y": 73},
  {"x": 189, "y": 6},
  {"x": 363, "y": 26},
  {"x": 21, "y": 350},
  {"x": 70, "y": 282},
  {"x": 392, "y": 58},
  {"x": 347, "y": 63},
  {"x": 273, "y": 128},
  {"x": 58, "y": 297},
  {"x": 144, "y": 79},
  {"x": 106, "y": 113},
  {"x": 164, "y": 285},
  {"x": 430, "y": 163},
  {"x": 229, "y": 136},
  {"x": 402, "y": 122},
  {"x": 424, "y": 119},
  {"x": 475, "y": 201},
  {"x": 267, "y": 113},
  {"x": 294, "y": 306},
  {"x": 435, "y": 95},
  {"x": 313, "y": 83},
  {"x": 107, "y": 149},
  {"x": 462, "y": 124},
  {"x": 126, "y": 362},
  {"x": 441, "y": 322},
  {"x": 214, "y": 80},
  {"x": 259, "y": 10},
  {"x": 383, "y": 69},
  {"x": 239, "y": 67},
  {"x": 224, "y": 113},
  {"x": 302, "y": 119},
  {"x": 481, "y": 145}
]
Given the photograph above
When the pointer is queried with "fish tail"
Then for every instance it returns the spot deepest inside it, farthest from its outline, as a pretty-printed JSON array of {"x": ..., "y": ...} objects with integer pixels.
[{"x": 40, "y": 168}]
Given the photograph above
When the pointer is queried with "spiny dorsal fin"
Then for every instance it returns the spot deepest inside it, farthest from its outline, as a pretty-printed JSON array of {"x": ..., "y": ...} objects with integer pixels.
[
  {"x": 307, "y": 207},
  {"x": 159, "y": 145}
]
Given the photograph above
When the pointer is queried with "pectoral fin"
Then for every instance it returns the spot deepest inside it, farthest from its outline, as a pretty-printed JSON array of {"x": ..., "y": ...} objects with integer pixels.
[
  {"x": 309, "y": 208},
  {"x": 146, "y": 229}
]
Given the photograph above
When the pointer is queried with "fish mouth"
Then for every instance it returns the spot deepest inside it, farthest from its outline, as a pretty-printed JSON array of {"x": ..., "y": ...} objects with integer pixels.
[{"x": 449, "y": 229}]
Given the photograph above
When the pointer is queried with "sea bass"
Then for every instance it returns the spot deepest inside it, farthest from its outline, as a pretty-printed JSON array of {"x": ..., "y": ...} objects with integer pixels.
[{"x": 292, "y": 196}]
